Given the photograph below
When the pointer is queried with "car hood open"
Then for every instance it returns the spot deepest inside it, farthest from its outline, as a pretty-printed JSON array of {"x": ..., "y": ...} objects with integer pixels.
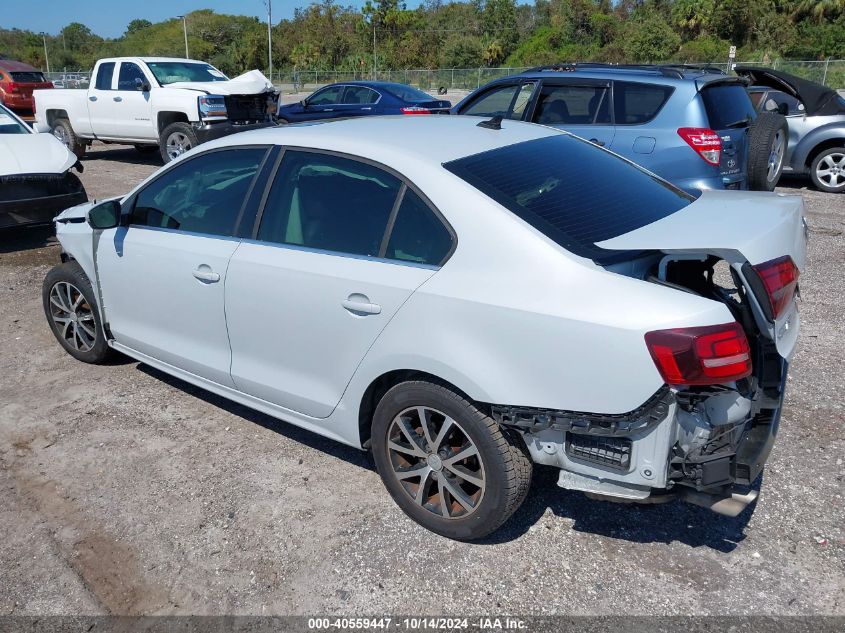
[
  {"x": 33, "y": 154},
  {"x": 818, "y": 100},
  {"x": 250, "y": 83}
]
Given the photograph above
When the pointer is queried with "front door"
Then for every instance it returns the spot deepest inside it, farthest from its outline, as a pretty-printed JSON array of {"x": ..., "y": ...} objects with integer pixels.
[
  {"x": 323, "y": 104},
  {"x": 163, "y": 277},
  {"x": 130, "y": 107},
  {"x": 308, "y": 297}
]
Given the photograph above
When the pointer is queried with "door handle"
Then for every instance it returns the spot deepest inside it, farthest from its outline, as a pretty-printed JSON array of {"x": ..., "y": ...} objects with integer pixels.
[
  {"x": 92, "y": 98},
  {"x": 595, "y": 141},
  {"x": 360, "y": 305},
  {"x": 328, "y": 109},
  {"x": 204, "y": 273},
  {"x": 118, "y": 98},
  {"x": 366, "y": 108}
]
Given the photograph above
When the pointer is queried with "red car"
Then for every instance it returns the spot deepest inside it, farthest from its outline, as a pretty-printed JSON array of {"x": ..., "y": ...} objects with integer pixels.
[{"x": 17, "y": 81}]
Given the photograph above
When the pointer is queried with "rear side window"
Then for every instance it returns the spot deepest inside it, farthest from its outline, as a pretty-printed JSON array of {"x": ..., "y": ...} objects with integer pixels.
[
  {"x": 104, "y": 75},
  {"x": 329, "y": 203},
  {"x": 359, "y": 95},
  {"x": 727, "y": 105},
  {"x": 495, "y": 102},
  {"x": 573, "y": 105},
  {"x": 27, "y": 77},
  {"x": 418, "y": 235},
  {"x": 636, "y": 103},
  {"x": 201, "y": 195},
  {"x": 559, "y": 185}
]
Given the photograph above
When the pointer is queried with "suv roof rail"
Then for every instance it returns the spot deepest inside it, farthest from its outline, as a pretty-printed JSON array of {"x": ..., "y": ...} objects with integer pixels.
[{"x": 667, "y": 70}]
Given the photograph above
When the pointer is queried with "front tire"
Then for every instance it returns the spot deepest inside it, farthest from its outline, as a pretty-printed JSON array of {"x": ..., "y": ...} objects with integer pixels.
[
  {"x": 175, "y": 140},
  {"x": 828, "y": 170},
  {"x": 447, "y": 464},
  {"x": 71, "y": 311}
]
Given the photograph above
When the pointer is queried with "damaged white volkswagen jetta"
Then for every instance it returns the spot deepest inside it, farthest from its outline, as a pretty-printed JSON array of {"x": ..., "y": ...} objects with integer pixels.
[{"x": 462, "y": 297}]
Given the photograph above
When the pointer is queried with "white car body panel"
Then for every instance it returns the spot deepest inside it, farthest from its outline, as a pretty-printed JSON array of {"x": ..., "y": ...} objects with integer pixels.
[{"x": 33, "y": 154}]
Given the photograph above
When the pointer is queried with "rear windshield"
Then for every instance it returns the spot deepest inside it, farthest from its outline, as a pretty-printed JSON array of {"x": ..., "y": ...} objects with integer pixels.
[
  {"x": 408, "y": 94},
  {"x": 727, "y": 105},
  {"x": 30, "y": 77},
  {"x": 570, "y": 190}
]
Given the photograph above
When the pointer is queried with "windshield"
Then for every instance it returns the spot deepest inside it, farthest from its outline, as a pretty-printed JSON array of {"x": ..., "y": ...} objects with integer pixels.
[
  {"x": 10, "y": 125},
  {"x": 571, "y": 191},
  {"x": 172, "y": 72},
  {"x": 406, "y": 93}
]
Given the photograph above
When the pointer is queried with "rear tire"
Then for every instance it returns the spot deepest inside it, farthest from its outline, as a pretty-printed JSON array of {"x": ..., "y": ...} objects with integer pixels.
[
  {"x": 176, "y": 139},
  {"x": 828, "y": 170},
  {"x": 463, "y": 498},
  {"x": 768, "y": 137},
  {"x": 63, "y": 131},
  {"x": 71, "y": 311}
]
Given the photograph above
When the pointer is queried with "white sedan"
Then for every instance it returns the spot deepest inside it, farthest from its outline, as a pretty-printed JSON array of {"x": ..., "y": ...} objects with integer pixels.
[{"x": 464, "y": 298}]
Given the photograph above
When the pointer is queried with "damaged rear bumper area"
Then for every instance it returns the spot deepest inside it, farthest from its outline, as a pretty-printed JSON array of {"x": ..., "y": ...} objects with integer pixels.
[
  {"x": 705, "y": 445},
  {"x": 37, "y": 198}
]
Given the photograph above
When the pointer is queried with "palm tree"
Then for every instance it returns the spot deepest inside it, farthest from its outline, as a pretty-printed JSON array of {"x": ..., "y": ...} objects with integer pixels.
[{"x": 819, "y": 9}]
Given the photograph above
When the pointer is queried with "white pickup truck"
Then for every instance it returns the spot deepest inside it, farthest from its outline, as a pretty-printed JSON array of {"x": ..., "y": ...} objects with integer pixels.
[{"x": 156, "y": 103}]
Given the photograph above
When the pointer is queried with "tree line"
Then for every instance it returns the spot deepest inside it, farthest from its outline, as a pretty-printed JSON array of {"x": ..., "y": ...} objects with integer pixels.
[{"x": 329, "y": 36}]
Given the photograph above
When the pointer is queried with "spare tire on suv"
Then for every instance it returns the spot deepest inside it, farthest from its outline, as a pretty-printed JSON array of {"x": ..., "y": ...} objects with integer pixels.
[{"x": 768, "y": 136}]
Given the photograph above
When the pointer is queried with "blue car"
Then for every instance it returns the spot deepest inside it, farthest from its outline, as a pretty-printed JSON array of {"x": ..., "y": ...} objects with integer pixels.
[{"x": 362, "y": 98}]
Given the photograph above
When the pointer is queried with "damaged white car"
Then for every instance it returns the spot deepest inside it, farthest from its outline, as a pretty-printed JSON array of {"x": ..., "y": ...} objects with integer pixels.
[
  {"x": 36, "y": 181},
  {"x": 462, "y": 309},
  {"x": 156, "y": 103}
]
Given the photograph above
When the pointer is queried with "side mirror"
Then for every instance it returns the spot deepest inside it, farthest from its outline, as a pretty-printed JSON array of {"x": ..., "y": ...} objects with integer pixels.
[
  {"x": 142, "y": 85},
  {"x": 304, "y": 103},
  {"x": 783, "y": 109},
  {"x": 105, "y": 215}
]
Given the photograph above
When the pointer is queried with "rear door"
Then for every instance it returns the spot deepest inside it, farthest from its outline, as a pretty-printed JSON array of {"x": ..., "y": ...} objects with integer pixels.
[
  {"x": 341, "y": 246},
  {"x": 100, "y": 99},
  {"x": 579, "y": 106},
  {"x": 729, "y": 112},
  {"x": 357, "y": 101}
]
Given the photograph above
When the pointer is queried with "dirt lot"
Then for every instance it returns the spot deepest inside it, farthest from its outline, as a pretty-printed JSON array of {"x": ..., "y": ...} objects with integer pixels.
[{"x": 125, "y": 491}]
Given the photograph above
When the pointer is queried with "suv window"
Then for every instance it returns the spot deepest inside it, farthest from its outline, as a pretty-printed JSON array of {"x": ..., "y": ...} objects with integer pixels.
[
  {"x": 201, "y": 195},
  {"x": 493, "y": 102},
  {"x": 636, "y": 103},
  {"x": 326, "y": 96},
  {"x": 129, "y": 72},
  {"x": 355, "y": 95},
  {"x": 573, "y": 105},
  {"x": 28, "y": 77},
  {"x": 329, "y": 203},
  {"x": 418, "y": 235},
  {"x": 558, "y": 185},
  {"x": 104, "y": 75},
  {"x": 727, "y": 104}
]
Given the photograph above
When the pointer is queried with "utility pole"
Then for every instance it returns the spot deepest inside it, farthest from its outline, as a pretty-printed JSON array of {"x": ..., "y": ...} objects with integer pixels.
[
  {"x": 375, "y": 64},
  {"x": 184, "y": 19},
  {"x": 269, "y": 5},
  {"x": 46, "y": 59}
]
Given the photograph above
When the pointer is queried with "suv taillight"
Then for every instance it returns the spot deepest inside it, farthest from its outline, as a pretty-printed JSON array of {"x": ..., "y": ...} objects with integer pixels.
[
  {"x": 705, "y": 141},
  {"x": 707, "y": 355},
  {"x": 780, "y": 278}
]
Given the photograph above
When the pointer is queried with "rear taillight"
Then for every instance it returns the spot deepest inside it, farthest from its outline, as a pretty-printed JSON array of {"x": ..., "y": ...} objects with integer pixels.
[
  {"x": 415, "y": 110},
  {"x": 13, "y": 87},
  {"x": 780, "y": 278},
  {"x": 705, "y": 141},
  {"x": 707, "y": 355}
]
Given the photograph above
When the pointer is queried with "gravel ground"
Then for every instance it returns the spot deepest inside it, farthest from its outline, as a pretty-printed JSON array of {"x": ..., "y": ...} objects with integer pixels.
[{"x": 125, "y": 491}]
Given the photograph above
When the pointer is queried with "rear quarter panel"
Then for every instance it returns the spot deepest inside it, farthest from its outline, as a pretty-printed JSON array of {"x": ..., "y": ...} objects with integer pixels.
[{"x": 72, "y": 101}]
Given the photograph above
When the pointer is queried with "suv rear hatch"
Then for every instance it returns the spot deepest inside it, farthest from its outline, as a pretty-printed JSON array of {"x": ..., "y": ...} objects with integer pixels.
[{"x": 729, "y": 112}]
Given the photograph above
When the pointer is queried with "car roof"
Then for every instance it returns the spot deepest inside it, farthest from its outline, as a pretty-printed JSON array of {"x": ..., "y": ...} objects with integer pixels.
[
  {"x": 665, "y": 74},
  {"x": 11, "y": 65},
  {"x": 370, "y": 84},
  {"x": 152, "y": 59},
  {"x": 394, "y": 139}
]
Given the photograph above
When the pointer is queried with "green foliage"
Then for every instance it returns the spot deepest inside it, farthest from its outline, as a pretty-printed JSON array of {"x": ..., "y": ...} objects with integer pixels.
[{"x": 648, "y": 38}]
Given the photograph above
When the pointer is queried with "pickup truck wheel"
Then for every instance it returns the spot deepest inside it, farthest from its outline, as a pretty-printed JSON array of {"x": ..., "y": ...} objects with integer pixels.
[
  {"x": 828, "y": 170},
  {"x": 446, "y": 463},
  {"x": 63, "y": 131},
  {"x": 72, "y": 313},
  {"x": 176, "y": 139},
  {"x": 767, "y": 141}
]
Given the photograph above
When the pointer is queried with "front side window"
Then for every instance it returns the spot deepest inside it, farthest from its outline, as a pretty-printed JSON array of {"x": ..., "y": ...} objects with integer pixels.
[
  {"x": 201, "y": 195},
  {"x": 558, "y": 184},
  {"x": 495, "y": 102},
  {"x": 418, "y": 235},
  {"x": 129, "y": 72},
  {"x": 638, "y": 103},
  {"x": 326, "y": 96},
  {"x": 104, "y": 76},
  {"x": 173, "y": 72},
  {"x": 573, "y": 105},
  {"x": 10, "y": 125},
  {"x": 774, "y": 100},
  {"x": 359, "y": 95}
]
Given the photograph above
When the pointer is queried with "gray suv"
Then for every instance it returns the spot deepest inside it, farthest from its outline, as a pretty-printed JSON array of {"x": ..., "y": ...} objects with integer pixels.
[{"x": 689, "y": 125}]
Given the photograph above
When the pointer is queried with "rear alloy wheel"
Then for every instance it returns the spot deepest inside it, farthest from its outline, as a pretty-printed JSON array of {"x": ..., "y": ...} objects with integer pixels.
[
  {"x": 446, "y": 463},
  {"x": 828, "y": 170},
  {"x": 767, "y": 141},
  {"x": 176, "y": 139},
  {"x": 63, "y": 131}
]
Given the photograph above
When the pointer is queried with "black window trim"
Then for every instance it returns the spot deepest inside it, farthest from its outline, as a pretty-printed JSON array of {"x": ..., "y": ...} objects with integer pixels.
[
  {"x": 405, "y": 184},
  {"x": 641, "y": 83},
  {"x": 128, "y": 206},
  {"x": 120, "y": 68}
]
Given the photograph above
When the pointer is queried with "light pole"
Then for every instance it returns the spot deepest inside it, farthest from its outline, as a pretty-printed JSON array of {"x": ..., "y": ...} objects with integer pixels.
[
  {"x": 184, "y": 19},
  {"x": 269, "y": 5},
  {"x": 46, "y": 59}
]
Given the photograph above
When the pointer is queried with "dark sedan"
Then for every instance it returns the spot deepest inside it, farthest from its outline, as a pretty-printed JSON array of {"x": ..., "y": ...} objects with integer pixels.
[{"x": 362, "y": 98}]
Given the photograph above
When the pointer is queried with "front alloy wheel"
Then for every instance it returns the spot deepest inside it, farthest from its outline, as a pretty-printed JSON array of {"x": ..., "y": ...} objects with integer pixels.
[
  {"x": 73, "y": 316},
  {"x": 828, "y": 170},
  {"x": 177, "y": 144}
]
